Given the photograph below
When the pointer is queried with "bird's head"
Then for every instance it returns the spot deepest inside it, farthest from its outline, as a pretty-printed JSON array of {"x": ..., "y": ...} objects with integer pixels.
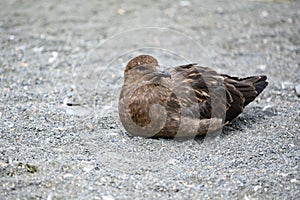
[{"x": 145, "y": 67}]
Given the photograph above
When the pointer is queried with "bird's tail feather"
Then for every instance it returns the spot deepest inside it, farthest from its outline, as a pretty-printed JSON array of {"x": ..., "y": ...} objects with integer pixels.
[
  {"x": 259, "y": 83},
  {"x": 250, "y": 87}
]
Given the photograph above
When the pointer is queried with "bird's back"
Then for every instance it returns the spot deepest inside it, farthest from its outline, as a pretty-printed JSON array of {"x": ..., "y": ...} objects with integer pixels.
[{"x": 225, "y": 94}]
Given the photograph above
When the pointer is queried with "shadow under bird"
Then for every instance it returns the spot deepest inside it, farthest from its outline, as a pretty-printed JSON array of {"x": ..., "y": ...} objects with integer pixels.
[{"x": 183, "y": 101}]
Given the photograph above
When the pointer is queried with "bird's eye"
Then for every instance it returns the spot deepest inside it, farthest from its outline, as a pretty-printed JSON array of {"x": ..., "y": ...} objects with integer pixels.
[{"x": 141, "y": 68}]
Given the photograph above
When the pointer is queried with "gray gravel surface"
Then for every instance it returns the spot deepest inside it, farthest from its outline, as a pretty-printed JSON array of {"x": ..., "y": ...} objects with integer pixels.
[{"x": 53, "y": 52}]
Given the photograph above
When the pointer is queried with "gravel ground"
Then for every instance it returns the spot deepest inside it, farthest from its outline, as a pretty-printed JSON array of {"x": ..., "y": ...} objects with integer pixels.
[{"x": 57, "y": 51}]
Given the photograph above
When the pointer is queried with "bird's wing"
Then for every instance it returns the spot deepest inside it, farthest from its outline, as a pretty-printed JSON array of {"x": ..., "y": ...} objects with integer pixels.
[
  {"x": 214, "y": 96},
  {"x": 246, "y": 89},
  {"x": 250, "y": 87}
]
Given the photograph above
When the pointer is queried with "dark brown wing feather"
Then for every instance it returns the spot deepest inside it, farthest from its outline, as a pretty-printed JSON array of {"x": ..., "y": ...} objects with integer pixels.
[
  {"x": 249, "y": 88},
  {"x": 209, "y": 86}
]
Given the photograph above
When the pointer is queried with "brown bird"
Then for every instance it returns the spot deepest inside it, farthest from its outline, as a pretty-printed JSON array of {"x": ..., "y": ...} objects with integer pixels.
[{"x": 183, "y": 101}]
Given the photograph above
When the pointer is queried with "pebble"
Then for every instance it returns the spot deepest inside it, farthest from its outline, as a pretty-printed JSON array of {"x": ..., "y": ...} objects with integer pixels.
[
  {"x": 121, "y": 11},
  {"x": 53, "y": 57},
  {"x": 257, "y": 187},
  {"x": 54, "y": 54},
  {"x": 67, "y": 176},
  {"x": 286, "y": 85},
  {"x": 113, "y": 133},
  {"x": 38, "y": 49},
  {"x": 264, "y": 14},
  {"x": 51, "y": 60},
  {"x": 270, "y": 109},
  {"x": 88, "y": 167},
  {"x": 220, "y": 10},
  {"x": 172, "y": 161},
  {"x": 11, "y": 37},
  {"x": 108, "y": 197},
  {"x": 297, "y": 89},
  {"x": 184, "y": 3},
  {"x": 50, "y": 196},
  {"x": 261, "y": 68},
  {"x": 294, "y": 180}
]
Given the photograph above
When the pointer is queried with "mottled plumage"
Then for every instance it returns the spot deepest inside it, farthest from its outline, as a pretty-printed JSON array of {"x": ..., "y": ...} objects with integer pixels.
[{"x": 183, "y": 101}]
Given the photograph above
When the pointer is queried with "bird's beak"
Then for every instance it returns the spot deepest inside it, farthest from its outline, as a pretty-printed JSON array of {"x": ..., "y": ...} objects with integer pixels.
[{"x": 162, "y": 73}]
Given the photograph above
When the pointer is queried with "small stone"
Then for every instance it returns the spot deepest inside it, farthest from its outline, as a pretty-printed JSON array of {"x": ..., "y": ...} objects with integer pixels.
[
  {"x": 51, "y": 60},
  {"x": 10, "y": 125},
  {"x": 294, "y": 180},
  {"x": 257, "y": 187},
  {"x": 38, "y": 49},
  {"x": 220, "y": 10},
  {"x": 184, "y": 3},
  {"x": 172, "y": 161},
  {"x": 284, "y": 174},
  {"x": 290, "y": 20},
  {"x": 54, "y": 54},
  {"x": 25, "y": 64},
  {"x": 50, "y": 196},
  {"x": 113, "y": 133},
  {"x": 11, "y": 37},
  {"x": 88, "y": 168},
  {"x": 262, "y": 68},
  {"x": 170, "y": 12},
  {"x": 286, "y": 84},
  {"x": 65, "y": 101},
  {"x": 247, "y": 197},
  {"x": 297, "y": 89},
  {"x": 54, "y": 57},
  {"x": 264, "y": 14},
  {"x": 121, "y": 11},
  {"x": 67, "y": 176},
  {"x": 108, "y": 197},
  {"x": 291, "y": 145},
  {"x": 270, "y": 109}
]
